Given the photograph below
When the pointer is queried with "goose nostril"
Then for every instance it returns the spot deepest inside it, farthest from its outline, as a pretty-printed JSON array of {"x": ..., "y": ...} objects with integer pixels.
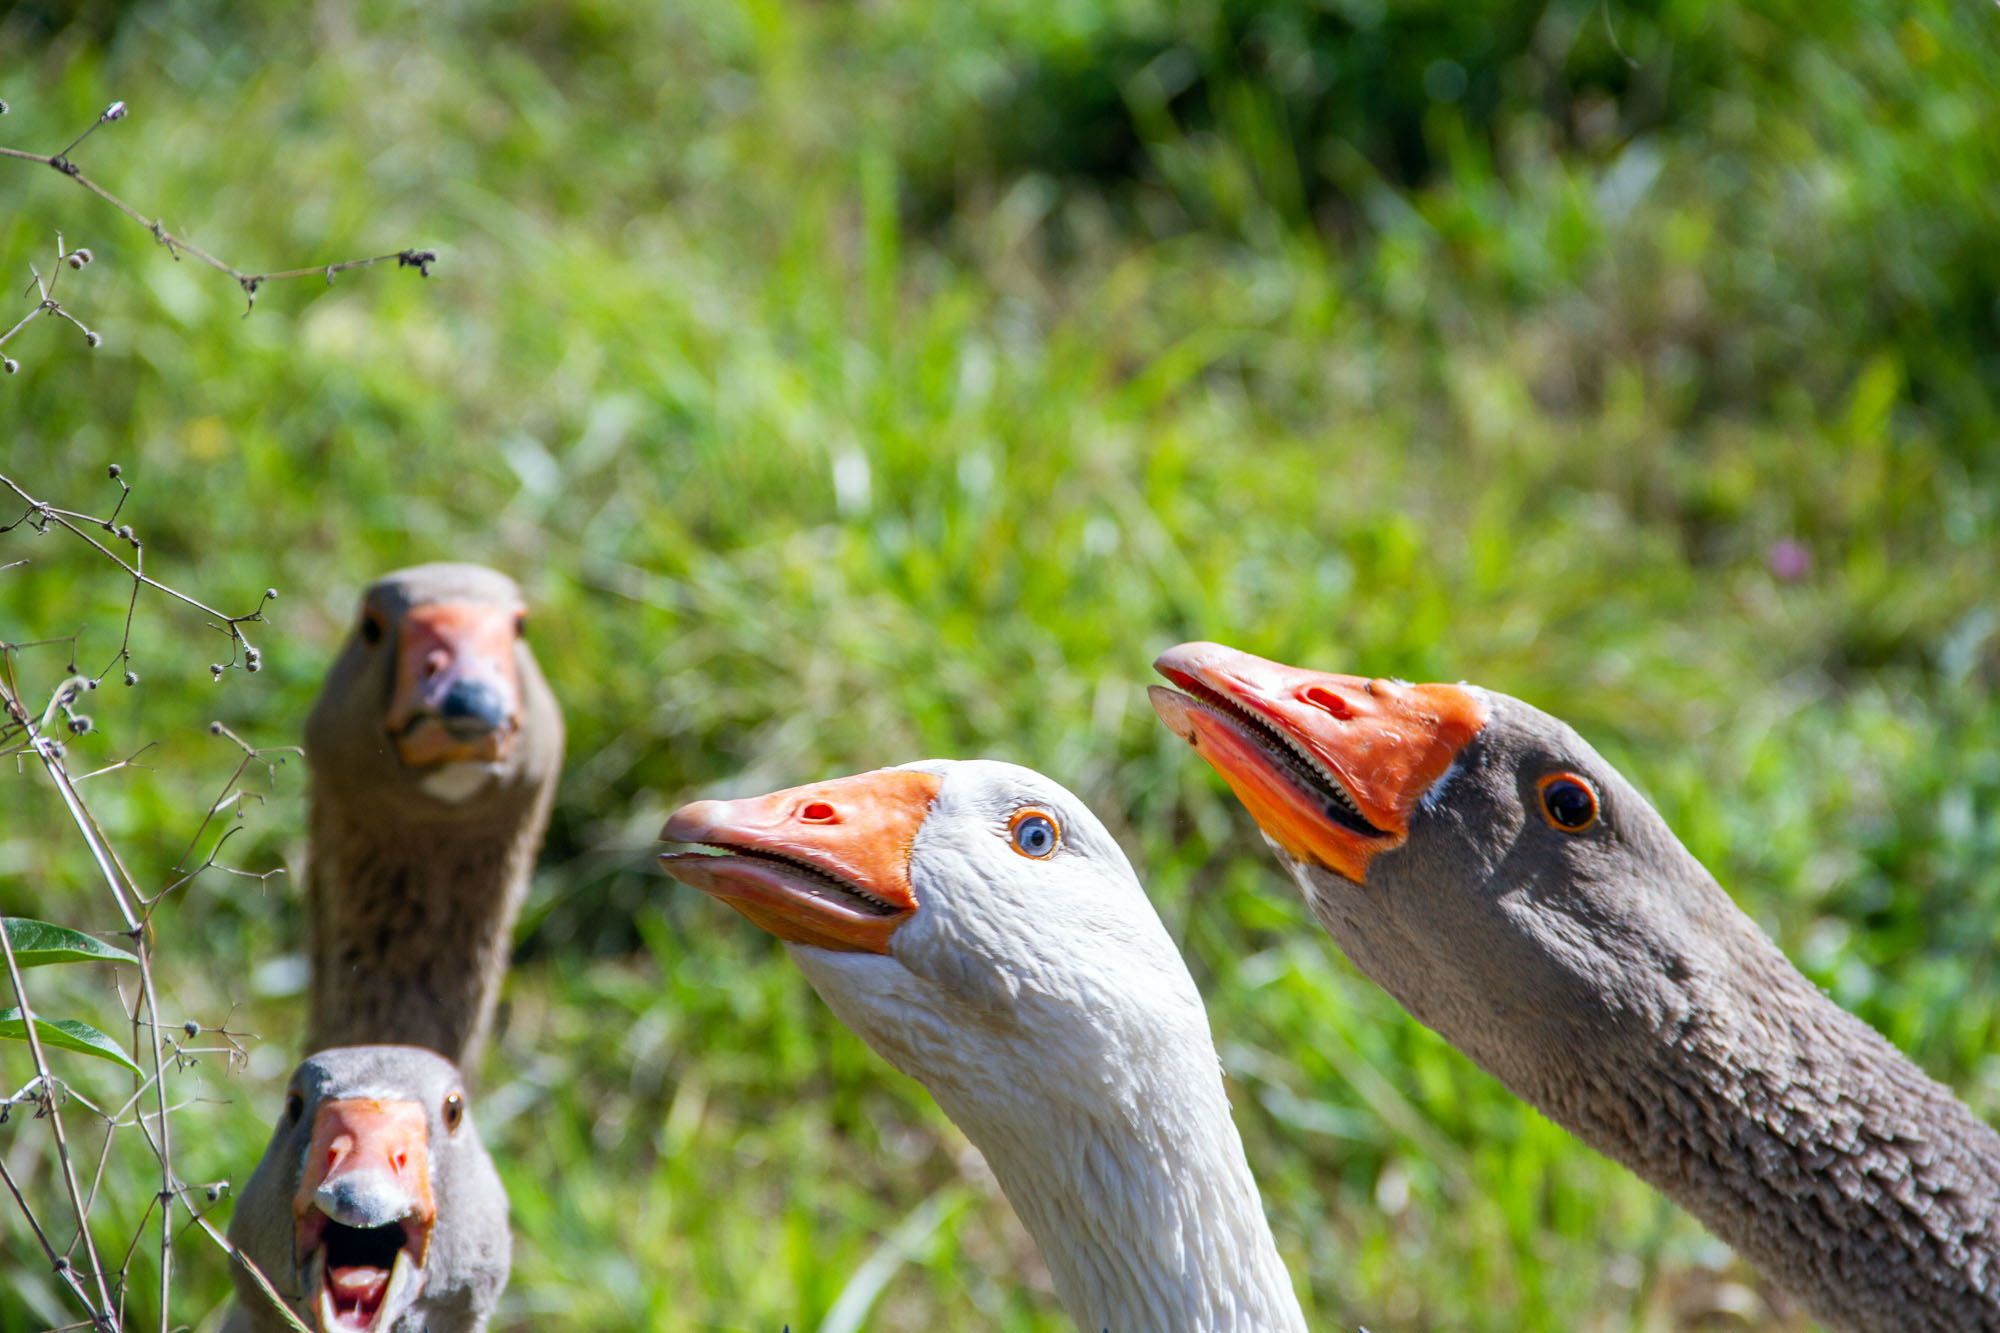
[
  {"x": 818, "y": 812},
  {"x": 1322, "y": 698}
]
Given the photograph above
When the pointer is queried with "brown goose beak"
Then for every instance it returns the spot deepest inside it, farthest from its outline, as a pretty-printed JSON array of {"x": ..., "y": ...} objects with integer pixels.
[
  {"x": 1330, "y": 766},
  {"x": 458, "y": 697},
  {"x": 363, "y": 1213},
  {"x": 826, "y": 864}
]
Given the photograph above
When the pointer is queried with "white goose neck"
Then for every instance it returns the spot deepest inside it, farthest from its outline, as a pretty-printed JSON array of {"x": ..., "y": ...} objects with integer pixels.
[
  {"x": 1141, "y": 1202},
  {"x": 1046, "y": 1008}
]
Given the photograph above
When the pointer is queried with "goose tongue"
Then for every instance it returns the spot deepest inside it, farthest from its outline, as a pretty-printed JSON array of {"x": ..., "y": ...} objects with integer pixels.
[
  {"x": 365, "y": 1298},
  {"x": 353, "y": 1297}
]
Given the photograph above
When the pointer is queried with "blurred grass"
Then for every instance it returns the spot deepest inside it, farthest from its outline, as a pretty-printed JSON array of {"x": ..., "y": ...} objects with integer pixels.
[{"x": 839, "y": 403}]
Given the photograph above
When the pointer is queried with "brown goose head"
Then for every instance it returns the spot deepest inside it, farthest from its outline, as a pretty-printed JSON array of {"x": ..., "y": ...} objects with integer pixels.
[
  {"x": 1472, "y": 855},
  {"x": 435, "y": 705},
  {"x": 375, "y": 1208}
]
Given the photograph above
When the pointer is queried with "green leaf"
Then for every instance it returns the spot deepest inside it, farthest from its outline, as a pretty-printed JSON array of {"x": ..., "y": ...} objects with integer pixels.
[
  {"x": 39, "y": 942},
  {"x": 68, "y": 1034}
]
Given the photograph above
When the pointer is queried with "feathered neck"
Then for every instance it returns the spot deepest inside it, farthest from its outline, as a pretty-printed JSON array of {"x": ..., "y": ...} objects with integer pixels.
[
  {"x": 1143, "y": 1207},
  {"x": 1799, "y": 1135},
  {"x": 1116, "y": 1149},
  {"x": 1793, "y": 1130},
  {"x": 410, "y": 922}
]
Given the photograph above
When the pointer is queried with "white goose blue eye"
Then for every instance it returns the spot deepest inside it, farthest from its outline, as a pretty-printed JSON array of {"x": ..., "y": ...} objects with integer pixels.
[{"x": 1034, "y": 834}]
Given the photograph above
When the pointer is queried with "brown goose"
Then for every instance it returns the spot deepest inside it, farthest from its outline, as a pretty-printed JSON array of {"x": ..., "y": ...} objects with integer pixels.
[
  {"x": 1480, "y": 861},
  {"x": 375, "y": 1208},
  {"x": 434, "y": 750},
  {"x": 978, "y": 927}
]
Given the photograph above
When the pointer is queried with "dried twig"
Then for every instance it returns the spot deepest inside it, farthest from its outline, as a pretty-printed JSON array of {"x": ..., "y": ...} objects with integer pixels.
[
  {"x": 41, "y": 515},
  {"x": 48, "y": 305},
  {"x": 37, "y": 733},
  {"x": 420, "y": 260}
]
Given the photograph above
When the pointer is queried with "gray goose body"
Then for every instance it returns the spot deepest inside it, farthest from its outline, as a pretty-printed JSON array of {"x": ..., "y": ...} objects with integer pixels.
[
  {"x": 375, "y": 1207},
  {"x": 1482, "y": 863},
  {"x": 434, "y": 749}
]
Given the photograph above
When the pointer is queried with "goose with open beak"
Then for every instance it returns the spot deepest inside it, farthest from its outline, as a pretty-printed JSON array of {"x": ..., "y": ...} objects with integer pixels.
[
  {"x": 1482, "y": 863},
  {"x": 375, "y": 1208}
]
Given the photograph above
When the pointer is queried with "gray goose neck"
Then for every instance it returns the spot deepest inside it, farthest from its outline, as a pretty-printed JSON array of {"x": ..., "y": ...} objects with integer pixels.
[
  {"x": 1789, "y": 1127},
  {"x": 1811, "y": 1145},
  {"x": 410, "y": 923}
]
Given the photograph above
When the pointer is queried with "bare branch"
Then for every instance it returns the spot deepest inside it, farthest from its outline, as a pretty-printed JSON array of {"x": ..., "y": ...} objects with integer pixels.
[
  {"x": 45, "y": 289},
  {"x": 41, "y": 516},
  {"x": 420, "y": 260},
  {"x": 37, "y": 733},
  {"x": 56, "y": 1127}
]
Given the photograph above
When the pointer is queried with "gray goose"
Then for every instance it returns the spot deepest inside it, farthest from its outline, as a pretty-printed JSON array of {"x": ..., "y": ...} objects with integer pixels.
[
  {"x": 375, "y": 1208},
  {"x": 977, "y": 926},
  {"x": 434, "y": 749},
  {"x": 1484, "y": 865}
]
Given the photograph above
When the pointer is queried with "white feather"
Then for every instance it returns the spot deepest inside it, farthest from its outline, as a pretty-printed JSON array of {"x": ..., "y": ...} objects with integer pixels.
[
  {"x": 455, "y": 783},
  {"x": 1045, "y": 1007}
]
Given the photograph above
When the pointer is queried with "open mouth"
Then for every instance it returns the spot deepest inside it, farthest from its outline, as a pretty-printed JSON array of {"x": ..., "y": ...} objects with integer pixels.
[
  {"x": 1288, "y": 757},
  {"x": 360, "y": 1279},
  {"x": 1331, "y": 767},
  {"x": 799, "y": 879}
]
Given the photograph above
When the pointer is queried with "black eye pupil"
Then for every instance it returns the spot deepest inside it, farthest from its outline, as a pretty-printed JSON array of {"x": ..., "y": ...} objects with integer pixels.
[
  {"x": 1035, "y": 835},
  {"x": 371, "y": 630},
  {"x": 1570, "y": 804}
]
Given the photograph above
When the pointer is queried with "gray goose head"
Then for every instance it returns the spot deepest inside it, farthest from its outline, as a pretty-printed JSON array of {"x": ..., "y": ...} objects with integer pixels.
[
  {"x": 1484, "y": 865},
  {"x": 1419, "y": 817},
  {"x": 434, "y": 749},
  {"x": 435, "y": 711},
  {"x": 375, "y": 1208}
]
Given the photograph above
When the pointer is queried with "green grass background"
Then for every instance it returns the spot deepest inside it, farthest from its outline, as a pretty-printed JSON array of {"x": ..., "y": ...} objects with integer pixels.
[{"x": 849, "y": 383}]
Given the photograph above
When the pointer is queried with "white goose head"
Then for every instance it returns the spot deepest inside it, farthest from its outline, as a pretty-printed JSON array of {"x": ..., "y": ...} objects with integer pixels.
[{"x": 979, "y": 928}]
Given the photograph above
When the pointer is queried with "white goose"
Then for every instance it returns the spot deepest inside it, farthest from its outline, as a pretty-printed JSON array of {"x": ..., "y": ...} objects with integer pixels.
[{"x": 979, "y": 928}]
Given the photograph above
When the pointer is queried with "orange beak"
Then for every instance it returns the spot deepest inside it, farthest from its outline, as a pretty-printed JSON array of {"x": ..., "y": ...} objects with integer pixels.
[
  {"x": 368, "y": 1166},
  {"x": 826, "y": 864},
  {"x": 1330, "y": 766},
  {"x": 458, "y": 697}
]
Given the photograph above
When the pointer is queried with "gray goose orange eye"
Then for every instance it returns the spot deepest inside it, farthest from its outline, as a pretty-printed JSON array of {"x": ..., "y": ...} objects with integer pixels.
[
  {"x": 1034, "y": 834},
  {"x": 295, "y": 1106},
  {"x": 1568, "y": 802},
  {"x": 454, "y": 1111}
]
